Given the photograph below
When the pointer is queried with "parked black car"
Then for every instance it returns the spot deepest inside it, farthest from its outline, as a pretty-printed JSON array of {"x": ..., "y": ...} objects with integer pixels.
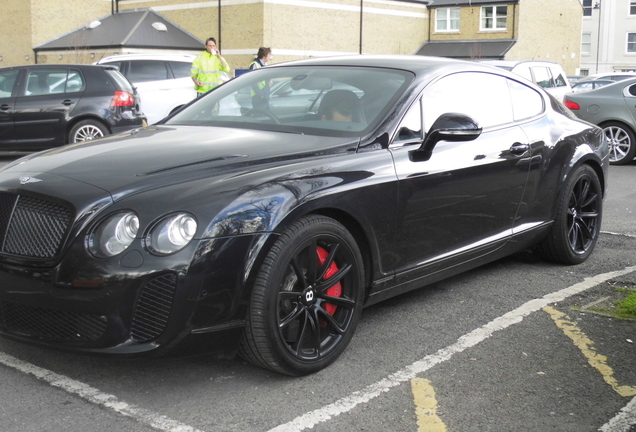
[
  {"x": 44, "y": 106},
  {"x": 234, "y": 229}
]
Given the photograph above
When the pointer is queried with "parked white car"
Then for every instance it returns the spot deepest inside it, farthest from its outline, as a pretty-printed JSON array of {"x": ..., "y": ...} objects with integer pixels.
[
  {"x": 548, "y": 75},
  {"x": 162, "y": 80}
]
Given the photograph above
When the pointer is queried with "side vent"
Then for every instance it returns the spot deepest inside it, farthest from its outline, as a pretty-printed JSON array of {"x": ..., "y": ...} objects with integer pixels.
[{"x": 153, "y": 308}]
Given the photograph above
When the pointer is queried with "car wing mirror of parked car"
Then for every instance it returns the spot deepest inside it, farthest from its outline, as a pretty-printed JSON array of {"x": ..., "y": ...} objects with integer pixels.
[{"x": 448, "y": 127}]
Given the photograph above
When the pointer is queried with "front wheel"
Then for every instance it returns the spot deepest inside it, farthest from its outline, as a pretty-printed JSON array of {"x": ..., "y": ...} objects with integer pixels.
[
  {"x": 577, "y": 224},
  {"x": 307, "y": 299},
  {"x": 622, "y": 143},
  {"x": 87, "y": 130}
]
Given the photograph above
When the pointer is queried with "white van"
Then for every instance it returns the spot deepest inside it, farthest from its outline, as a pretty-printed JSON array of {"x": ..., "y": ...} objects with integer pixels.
[
  {"x": 162, "y": 80},
  {"x": 548, "y": 75}
]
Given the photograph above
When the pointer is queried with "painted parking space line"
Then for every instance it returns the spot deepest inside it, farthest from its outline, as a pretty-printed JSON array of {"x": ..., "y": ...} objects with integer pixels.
[
  {"x": 586, "y": 345},
  {"x": 624, "y": 421},
  {"x": 95, "y": 396},
  {"x": 426, "y": 406},
  {"x": 348, "y": 403}
]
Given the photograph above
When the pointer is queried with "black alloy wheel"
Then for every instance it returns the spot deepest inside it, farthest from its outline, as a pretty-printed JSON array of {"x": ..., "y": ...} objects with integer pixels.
[
  {"x": 577, "y": 224},
  {"x": 307, "y": 299}
]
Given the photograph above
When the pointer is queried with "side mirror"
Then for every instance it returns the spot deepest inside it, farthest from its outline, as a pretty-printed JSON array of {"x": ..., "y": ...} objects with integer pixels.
[{"x": 448, "y": 127}]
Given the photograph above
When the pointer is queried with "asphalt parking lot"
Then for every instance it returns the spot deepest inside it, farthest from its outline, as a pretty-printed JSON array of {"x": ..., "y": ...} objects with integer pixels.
[{"x": 511, "y": 346}]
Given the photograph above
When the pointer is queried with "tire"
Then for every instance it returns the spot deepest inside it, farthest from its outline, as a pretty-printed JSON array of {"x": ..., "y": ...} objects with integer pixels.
[
  {"x": 87, "y": 130},
  {"x": 577, "y": 224},
  {"x": 290, "y": 326},
  {"x": 622, "y": 143}
]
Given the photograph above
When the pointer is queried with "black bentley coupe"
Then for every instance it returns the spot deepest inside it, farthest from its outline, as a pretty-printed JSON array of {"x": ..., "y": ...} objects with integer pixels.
[{"x": 263, "y": 222}]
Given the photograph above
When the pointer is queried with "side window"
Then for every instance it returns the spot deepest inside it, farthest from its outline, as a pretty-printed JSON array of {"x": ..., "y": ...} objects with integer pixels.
[
  {"x": 147, "y": 70},
  {"x": 180, "y": 69},
  {"x": 482, "y": 96},
  {"x": 632, "y": 90},
  {"x": 46, "y": 81},
  {"x": 411, "y": 126},
  {"x": 75, "y": 82},
  {"x": 559, "y": 80},
  {"x": 526, "y": 102},
  {"x": 543, "y": 77},
  {"x": 7, "y": 80}
]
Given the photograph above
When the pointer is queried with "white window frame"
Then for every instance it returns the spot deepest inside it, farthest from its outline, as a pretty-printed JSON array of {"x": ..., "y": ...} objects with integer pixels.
[
  {"x": 632, "y": 8},
  {"x": 586, "y": 45},
  {"x": 448, "y": 20},
  {"x": 631, "y": 44},
  {"x": 495, "y": 18}
]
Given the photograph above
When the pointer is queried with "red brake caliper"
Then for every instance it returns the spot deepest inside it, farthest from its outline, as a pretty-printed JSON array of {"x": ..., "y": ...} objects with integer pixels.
[{"x": 336, "y": 289}]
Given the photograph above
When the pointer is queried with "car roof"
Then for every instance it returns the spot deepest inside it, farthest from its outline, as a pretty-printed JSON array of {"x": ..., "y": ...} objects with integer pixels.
[
  {"x": 62, "y": 65},
  {"x": 415, "y": 63},
  {"x": 168, "y": 57},
  {"x": 513, "y": 63}
]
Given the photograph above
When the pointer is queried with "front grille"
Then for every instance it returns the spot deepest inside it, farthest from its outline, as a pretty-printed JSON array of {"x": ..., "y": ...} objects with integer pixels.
[
  {"x": 50, "y": 324},
  {"x": 32, "y": 227},
  {"x": 153, "y": 308}
]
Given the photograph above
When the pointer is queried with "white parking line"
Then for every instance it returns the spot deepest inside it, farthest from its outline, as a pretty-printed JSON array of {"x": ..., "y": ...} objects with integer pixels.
[
  {"x": 348, "y": 403},
  {"x": 312, "y": 418},
  {"x": 624, "y": 421},
  {"x": 95, "y": 396}
]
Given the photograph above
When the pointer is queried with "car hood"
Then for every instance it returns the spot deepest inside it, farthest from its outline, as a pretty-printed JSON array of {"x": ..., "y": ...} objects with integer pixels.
[{"x": 161, "y": 155}]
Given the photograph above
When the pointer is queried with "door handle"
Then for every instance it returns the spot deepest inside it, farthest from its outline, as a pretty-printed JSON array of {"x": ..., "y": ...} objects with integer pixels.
[
  {"x": 518, "y": 149},
  {"x": 67, "y": 102},
  {"x": 4, "y": 107}
]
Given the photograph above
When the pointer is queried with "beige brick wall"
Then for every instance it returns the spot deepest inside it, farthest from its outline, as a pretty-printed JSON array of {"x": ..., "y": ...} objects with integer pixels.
[
  {"x": 15, "y": 32},
  {"x": 550, "y": 30}
]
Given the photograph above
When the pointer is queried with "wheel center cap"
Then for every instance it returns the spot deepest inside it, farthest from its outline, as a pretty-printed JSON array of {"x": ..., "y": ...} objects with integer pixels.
[{"x": 309, "y": 296}]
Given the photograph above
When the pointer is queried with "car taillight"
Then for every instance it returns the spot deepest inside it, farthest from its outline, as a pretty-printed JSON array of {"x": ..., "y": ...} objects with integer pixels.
[
  {"x": 571, "y": 105},
  {"x": 122, "y": 98}
]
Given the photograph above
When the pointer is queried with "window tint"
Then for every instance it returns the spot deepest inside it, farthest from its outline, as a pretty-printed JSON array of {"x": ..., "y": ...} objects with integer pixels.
[
  {"x": 543, "y": 76},
  {"x": 181, "y": 69},
  {"x": 411, "y": 126},
  {"x": 147, "y": 70},
  {"x": 53, "y": 81},
  {"x": 526, "y": 102},
  {"x": 482, "y": 96},
  {"x": 632, "y": 90},
  {"x": 523, "y": 71},
  {"x": 121, "y": 83},
  {"x": 7, "y": 79}
]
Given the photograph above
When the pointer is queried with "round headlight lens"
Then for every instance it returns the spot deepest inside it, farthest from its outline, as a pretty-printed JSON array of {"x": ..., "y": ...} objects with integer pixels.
[
  {"x": 113, "y": 235},
  {"x": 171, "y": 234}
]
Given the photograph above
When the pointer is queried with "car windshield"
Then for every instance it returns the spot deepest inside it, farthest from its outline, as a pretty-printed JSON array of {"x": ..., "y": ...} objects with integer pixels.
[{"x": 334, "y": 101}]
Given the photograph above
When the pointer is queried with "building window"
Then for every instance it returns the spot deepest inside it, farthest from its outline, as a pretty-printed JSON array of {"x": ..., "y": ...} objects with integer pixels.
[
  {"x": 587, "y": 8},
  {"x": 586, "y": 43},
  {"x": 632, "y": 7},
  {"x": 631, "y": 43},
  {"x": 494, "y": 17},
  {"x": 447, "y": 19}
]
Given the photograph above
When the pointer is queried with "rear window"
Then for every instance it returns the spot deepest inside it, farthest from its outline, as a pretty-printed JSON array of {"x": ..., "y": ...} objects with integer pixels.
[{"x": 120, "y": 82}]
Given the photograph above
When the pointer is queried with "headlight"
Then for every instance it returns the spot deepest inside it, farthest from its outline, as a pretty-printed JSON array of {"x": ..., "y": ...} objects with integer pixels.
[
  {"x": 113, "y": 235},
  {"x": 171, "y": 234}
]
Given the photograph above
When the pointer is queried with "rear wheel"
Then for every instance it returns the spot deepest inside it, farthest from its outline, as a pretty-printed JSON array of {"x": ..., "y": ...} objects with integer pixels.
[
  {"x": 307, "y": 299},
  {"x": 87, "y": 130},
  {"x": 622, "y": 143},
  {"x": 577, "y": 224}
]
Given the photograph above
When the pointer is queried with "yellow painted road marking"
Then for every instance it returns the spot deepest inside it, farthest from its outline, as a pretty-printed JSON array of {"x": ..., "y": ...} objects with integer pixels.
[
  {"x": 426, "y": 406},
  {"x": 582, "y": 342}
]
